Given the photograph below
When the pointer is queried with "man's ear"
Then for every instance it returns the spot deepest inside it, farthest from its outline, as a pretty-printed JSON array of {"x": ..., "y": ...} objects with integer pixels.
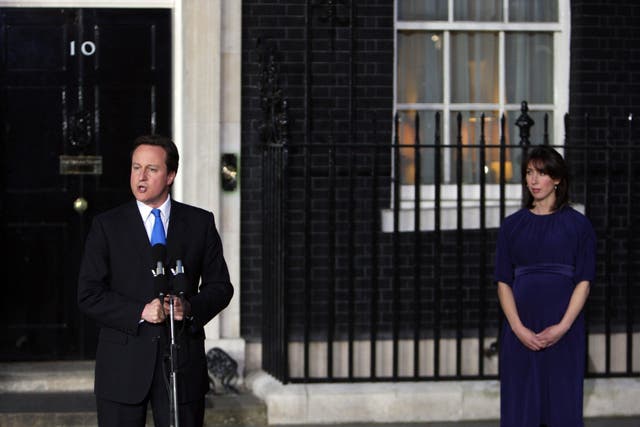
[{"x": 170, "y": 178}]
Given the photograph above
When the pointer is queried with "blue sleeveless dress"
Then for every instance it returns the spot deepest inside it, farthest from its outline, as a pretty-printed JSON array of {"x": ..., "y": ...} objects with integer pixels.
[{"x": 542, "y": 258}]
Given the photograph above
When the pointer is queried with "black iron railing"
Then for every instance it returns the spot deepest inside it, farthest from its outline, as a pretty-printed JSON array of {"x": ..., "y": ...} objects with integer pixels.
[{"x": 368, "y": 279}]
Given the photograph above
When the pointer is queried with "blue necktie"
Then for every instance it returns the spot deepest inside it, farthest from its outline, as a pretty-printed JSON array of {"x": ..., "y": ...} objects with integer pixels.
[{"x": 157, "y": 234}]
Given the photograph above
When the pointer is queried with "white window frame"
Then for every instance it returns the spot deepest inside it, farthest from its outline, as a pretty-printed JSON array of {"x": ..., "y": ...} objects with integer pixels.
[{"x": 471, "y": 192}]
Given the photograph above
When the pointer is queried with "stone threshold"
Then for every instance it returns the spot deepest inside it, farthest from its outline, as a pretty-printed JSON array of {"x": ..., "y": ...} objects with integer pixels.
[
  {"x": 418, "y": 402},
  {"x": 34, "y": 394}
]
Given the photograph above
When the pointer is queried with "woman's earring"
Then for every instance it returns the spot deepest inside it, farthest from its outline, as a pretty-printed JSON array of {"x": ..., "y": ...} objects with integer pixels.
[{"x": 555, "y": 187}]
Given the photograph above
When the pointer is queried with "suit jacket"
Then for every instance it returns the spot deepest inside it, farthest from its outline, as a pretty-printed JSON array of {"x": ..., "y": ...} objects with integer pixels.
[{"x": 116, "y": 281}]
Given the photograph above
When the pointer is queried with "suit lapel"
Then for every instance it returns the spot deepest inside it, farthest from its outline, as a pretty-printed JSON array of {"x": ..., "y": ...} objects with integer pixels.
[
  {"x": 139, "y": 238},
  {"x": 176, "y": 232}
]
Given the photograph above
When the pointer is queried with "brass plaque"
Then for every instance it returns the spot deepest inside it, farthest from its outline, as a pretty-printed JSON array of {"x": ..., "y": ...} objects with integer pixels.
[{"x": 80, "y": 165}]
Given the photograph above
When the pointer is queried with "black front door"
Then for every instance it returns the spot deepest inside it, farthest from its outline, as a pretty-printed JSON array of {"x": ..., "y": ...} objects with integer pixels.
[{"x": 76, "y": 87}]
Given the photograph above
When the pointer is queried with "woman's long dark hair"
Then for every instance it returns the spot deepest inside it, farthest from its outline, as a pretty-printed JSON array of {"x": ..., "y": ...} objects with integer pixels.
[{"x": 546, "y": 160}]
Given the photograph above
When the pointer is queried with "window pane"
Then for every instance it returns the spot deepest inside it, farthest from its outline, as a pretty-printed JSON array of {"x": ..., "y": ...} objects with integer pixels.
[
  {"x": 529, "y": 68},
  {"x": 406, "y": 136},
  {"x": 425, "y": 10},
  {"x": 474, "y": 67},
  {"x": 469, "y": 130},
  {"x": 419, "y": 69},
  {"x": 477, "y": 10},
  {"x": 533, "y": 11}
]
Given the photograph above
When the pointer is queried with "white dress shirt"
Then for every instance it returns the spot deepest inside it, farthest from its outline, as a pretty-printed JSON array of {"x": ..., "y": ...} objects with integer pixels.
[{"x": 149, "y": 219}]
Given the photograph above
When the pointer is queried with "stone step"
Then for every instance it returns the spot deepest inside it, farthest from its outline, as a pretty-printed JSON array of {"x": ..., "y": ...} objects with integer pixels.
[
  {"x": 61, "y": 394},
  {"x": 65, "y": 376},
  {"x": 76, "y": 409}
]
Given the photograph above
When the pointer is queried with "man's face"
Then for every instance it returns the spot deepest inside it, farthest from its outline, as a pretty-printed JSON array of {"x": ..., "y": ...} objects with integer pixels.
[{"x": 150, "y": 180}]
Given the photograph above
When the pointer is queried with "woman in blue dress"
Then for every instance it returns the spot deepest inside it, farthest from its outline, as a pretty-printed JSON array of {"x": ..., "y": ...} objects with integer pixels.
[{"x": 545, "y": 263}]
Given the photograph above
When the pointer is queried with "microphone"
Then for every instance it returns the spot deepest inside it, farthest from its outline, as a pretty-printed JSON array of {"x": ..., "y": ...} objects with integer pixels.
[
  {"x": 158, "y": 254},
  {"x": 179, "y": 279}
]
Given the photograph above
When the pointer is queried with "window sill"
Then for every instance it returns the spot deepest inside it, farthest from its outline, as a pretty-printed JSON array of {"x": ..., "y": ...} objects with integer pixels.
[
  {"x": 448, "y": 216},
  {"x": 449, "y": 213}
]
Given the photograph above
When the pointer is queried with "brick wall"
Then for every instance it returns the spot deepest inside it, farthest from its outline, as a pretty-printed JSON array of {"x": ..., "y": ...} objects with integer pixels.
[
  {"x": 604, "y": 76},
  {"x": 350, "y": 98},
  {"x": 605, "y": 57}
]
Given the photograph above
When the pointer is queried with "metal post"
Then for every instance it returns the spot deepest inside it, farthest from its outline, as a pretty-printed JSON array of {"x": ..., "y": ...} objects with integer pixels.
[{"x": 173, "y": 374}]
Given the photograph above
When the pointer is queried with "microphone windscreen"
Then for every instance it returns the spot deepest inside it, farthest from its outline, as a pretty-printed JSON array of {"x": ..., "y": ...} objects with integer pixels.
[
  {"x": 158, "y": 253},
  {"x": 161, "y": 285},
  {"x": 180, "y": 284}
]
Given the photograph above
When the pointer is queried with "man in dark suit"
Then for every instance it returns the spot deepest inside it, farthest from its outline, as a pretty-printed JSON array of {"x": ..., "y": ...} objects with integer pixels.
[{"x": 116, "y": 288}]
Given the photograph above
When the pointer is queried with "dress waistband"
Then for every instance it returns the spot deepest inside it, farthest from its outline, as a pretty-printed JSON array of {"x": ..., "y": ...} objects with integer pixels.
[{"x": 562, "y": 269}]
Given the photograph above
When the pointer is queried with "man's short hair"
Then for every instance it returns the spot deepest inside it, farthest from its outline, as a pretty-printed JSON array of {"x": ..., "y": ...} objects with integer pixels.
[{"x": 173, "y": 158}]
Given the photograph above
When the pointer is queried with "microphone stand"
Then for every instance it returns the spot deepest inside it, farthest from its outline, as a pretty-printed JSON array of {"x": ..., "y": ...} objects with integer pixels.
[
  {"x": 158, "y": 253},
  {"x": 173, "y": 350},
  {"x": 178, "y": 292}
]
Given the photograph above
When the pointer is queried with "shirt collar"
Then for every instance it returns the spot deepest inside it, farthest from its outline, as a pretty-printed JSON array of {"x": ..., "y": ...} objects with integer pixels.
[{"x": 165, "y": 209}]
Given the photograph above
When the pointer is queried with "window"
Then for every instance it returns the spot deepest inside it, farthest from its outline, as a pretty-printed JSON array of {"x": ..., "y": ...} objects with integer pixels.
[{"x": 469, "y": 58}]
